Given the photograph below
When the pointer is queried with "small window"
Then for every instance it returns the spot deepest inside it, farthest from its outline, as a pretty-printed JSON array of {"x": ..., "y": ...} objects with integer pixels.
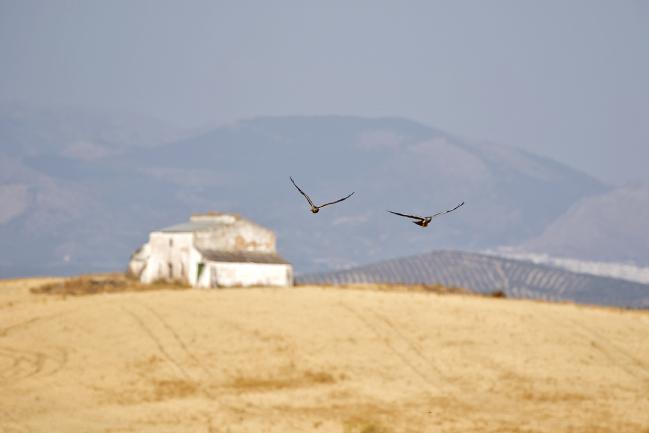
[
  {"x": 171, "y": 242},
  {"x": 171, "y": 270}
]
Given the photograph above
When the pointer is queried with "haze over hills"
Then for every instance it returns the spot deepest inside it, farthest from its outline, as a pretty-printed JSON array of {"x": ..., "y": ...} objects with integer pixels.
[
  {"x": 74, "y": 214},
  {"x": 487, "y": 274},
  {"x": 54, "y": 221},
  {"x": 617, "y": 270},
  {"x": 77, "y": 133},
  {"x": 613, "y": 226}
]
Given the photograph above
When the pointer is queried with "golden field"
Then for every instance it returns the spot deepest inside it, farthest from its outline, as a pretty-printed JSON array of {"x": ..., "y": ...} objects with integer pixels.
[{"x": 313, "y": 359}]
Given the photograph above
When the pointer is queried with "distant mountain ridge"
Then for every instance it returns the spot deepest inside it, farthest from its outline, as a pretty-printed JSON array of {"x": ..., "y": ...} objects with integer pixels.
[
  {"x": 77, "y": 133},
  {"x": 391, "y": 163},
  {"x": 486, "y": 274},
  {"x": 611, "y": 226},
  {"x": 85, "y": 213}
]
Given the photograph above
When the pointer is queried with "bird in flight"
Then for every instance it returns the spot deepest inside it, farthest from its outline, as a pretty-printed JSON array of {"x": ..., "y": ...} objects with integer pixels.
[
  {"x": 315, "y": 208},
  {"x": 424, "y": 221}
]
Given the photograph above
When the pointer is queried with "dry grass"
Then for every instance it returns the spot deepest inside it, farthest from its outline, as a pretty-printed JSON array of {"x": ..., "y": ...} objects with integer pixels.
[
  {"x": 174, "y": 388},
  {"x": 361, "y": 425},
  {"x": 148, "y": 391},
  {"x": 278, "y": 381},
  {"x": 108, "y": 283},
  {"x": 410, "y": 288}
]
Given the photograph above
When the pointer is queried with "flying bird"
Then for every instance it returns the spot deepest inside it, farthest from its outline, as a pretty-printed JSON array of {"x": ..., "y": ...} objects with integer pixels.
[
  {"x": 315, "y": 208},
  {"x": 424, "y": 221}
]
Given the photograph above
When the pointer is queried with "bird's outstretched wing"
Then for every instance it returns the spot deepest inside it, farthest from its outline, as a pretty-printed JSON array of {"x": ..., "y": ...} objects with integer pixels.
[
  {"x": 337, "y": 201},
  {"x": 446, "y": 211},
  {"x": 407, "y": 216},
  {"x": 302, "y": 192}
]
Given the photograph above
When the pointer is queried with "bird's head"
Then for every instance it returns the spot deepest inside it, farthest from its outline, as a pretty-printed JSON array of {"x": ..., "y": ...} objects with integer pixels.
[{"x": 315, "y": 210}]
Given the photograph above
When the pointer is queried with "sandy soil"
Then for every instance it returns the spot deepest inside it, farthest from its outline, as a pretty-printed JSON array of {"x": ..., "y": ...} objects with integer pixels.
[{"x": 317, "y": 360}]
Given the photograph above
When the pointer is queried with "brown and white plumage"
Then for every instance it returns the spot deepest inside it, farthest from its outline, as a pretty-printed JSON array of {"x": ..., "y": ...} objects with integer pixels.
[
  {"x": 424, "y": 221},
  {"x": 315, "y": 208}
]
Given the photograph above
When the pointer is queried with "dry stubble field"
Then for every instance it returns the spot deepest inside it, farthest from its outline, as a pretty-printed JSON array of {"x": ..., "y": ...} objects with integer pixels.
[{"x": 311, "y": 359}]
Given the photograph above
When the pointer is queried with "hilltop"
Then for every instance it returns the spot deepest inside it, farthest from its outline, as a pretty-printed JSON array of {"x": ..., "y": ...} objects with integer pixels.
[{"x": 316, "y": 359}]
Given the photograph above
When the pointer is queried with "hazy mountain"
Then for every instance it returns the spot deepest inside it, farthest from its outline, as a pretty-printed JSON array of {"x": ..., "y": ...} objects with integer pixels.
[
  {"x": 51, "y": 219},
  {"x": 486, "y": 274},
  {"x": 77, "y": 133},
  {"x": 613, "y": 226},
  {"x": 77, "y": 216},
  {"x": 617, "y": 270},
  {"x": 69, "y": 214},
  {"x": 391, "y": 164}
]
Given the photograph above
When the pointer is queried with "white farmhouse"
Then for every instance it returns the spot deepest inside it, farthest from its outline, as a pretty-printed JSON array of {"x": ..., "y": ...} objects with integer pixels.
[{"x": 212, "y": 250}]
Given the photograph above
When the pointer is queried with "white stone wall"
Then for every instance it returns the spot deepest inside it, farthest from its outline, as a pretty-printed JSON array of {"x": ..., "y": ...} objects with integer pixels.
[
  {"x": 241, "y": 235},
  {"x": 139, "y": 260},
  {"x": 224, "y": 274},
  {"x": 172, "y": 257}
]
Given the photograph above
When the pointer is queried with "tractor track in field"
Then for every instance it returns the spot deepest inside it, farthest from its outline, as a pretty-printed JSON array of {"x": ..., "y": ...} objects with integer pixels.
[
  {"x": 409, "y": 353},
  {"x": 181, "y": 343},
  {"x": 618, "y": 356},
  {"x": 4, "y": 331},
  {"x": 162, "y": 346},
  {"x": 168, "y": 342},
  {"x": 19, "y": 364},
  {"x": 9, "y": 424}
]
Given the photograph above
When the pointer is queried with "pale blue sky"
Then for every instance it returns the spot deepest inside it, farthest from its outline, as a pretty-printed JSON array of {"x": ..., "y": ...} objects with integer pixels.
[{"x": 566, "y": 79}]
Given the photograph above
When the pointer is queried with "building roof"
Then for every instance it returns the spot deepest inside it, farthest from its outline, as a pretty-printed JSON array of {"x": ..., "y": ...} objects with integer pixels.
[
  {"x": 190, "y": 226},
  {"x": 203, "y": 221},
  {"x": 242, "y": 257}
]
